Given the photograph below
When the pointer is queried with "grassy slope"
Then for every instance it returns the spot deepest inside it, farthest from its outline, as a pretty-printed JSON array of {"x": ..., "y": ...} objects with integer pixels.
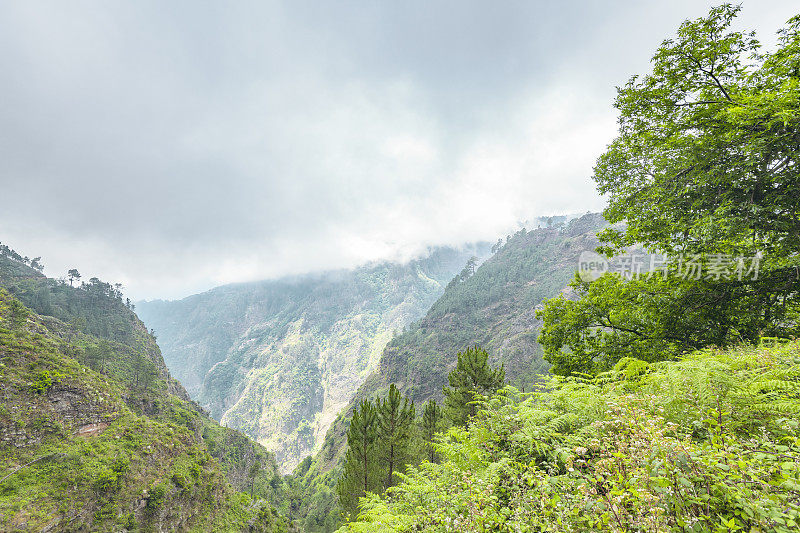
[
  {"x": 92, "y": 310},
  {"x": 153, "y": 461}
]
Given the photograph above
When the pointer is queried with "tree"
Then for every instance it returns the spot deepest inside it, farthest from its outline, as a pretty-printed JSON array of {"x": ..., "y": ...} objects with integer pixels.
[
  {"x": 651, "y": 318},
  {"x": 706, "y": 163},
  {"x": 19, "y": 315},
  {"x": 431, "y": 425},
  {"x": 708, "y": 152},
  {"x": 73, "y": 275},
  {"x": 255, "y": 468},
  {"x": 395, "y": 422},
  {"x": 359, "y": 471},
  {"x": 96, "y": 355},
  {"x": 469, "y": 269},
  {"x": 144, "y": 372},
  {"x": 709, "y": 149},
  {"x": 472, "y": 376}
]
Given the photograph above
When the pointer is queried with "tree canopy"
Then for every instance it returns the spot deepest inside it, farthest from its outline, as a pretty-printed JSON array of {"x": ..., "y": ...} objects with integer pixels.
[
  {"x": 705, "y": 166},
  {"x": 709, "y": 144},
  {"x": 472, "y": 376}
]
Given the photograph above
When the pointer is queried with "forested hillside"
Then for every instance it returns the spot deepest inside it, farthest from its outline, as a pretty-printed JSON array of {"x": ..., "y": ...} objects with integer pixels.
[
  {"x": 635, "y": 369},
  {"x": 675, "y": 399},
  {"x": 709, "y": 443},
  {"x": 279, "y": 359},
  {"x": 493, "y": 306},
  {"x": 95, "y": 435}
]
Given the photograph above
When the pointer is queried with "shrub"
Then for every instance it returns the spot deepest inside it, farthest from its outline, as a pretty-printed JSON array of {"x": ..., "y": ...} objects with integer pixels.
[
  {"x": 156, "y": 496},
  {"x": 42, "y": 382},
  {"x": 710, "y": 443}
]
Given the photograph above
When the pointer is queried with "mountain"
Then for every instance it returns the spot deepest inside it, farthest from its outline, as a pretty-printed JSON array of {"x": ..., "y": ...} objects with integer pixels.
[
  {"x": 95, "y": 435},
  {"x": 494, "y": 308},
  {"x": 279, "y": 359}
]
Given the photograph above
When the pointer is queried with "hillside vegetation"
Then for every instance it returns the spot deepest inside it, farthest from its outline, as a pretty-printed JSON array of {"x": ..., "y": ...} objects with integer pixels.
[
  {"x": 528, "y": 398},
  {"x": 279, "y": 359},
  {"x": 95, "y": 435},
  {"x": 493, "y": 307},
  {"x": 675, "y": 400},
  {"x": 709, "y": 443}
]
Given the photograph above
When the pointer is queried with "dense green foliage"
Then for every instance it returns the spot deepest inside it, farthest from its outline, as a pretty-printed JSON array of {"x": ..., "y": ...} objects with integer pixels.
[
  {"x": 95, "y": 435},
  {"x": 493, "y": 307},
  {"x": 655, "y": 317},
  {"x": 383, "y": 438},
  {"x": 709, "y": 443},
  {"x": 380, "y": 443},
  {"x": 706, "y": 164},
  {"x": 675, "y": 404},
  {"x": 432, "y": 423},
  {"x": 707, "y": 156},
  {"x": 472, "y": 377},
  {"x": 94, "y": 309},
  {"x": 359, "y": 475},
  {"x": 395, "y": 432},
  {"x": 650, "y": 425}
]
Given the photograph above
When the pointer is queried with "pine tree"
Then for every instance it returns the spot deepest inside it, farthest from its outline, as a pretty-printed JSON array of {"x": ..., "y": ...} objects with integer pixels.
[
  {"x": 255, "y": 468},
  {"x": 396, "y": 422},
  {"x": 472, "y": 375},
  {"x": 431, "y": 424},
  {"x": 73, "y": 275},
  {"x": 95, "y": 356},
  {"x": 360, "y": 467},
  {"x": 143, "y": 372}
]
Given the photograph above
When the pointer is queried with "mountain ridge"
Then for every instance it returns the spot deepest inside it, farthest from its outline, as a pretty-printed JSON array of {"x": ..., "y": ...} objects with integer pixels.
[
  {"x": 278, "y": 359},
  {"x": 94, "y": 432},
  {"x": 494, "y": 307}
]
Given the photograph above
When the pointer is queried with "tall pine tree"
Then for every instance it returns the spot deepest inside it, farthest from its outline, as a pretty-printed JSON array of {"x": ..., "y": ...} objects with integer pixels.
[
  {"x": 396, "y": 423},
  {"x": 472, "y": 376},
  {"x": 360, "y": 469},
  {"x": 431, "y": 424}
]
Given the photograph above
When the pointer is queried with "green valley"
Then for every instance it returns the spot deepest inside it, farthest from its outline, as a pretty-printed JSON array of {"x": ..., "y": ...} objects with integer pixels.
[
  {"x": 279, "y": 359},
  {"x": 494, "y": 307},
  {"x": 633, "y": 368}
]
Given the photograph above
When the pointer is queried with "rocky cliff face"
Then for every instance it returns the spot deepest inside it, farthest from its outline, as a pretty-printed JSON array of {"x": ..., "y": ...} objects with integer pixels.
[{"x": 278, "y": 360}]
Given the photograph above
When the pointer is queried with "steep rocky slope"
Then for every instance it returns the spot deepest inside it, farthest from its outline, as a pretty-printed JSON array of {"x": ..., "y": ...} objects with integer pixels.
[
  {"x": 279, "y": 359},
  {"x": 494, "y": 308},
  {"x": 94, "y": 433}
]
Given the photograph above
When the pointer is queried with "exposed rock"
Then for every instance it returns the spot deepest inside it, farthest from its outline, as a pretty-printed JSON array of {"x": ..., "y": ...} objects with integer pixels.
[{"x": 90, "y": 430}]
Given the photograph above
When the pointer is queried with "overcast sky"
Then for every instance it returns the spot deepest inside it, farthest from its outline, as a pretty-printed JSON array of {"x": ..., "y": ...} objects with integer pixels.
[{"x": 175, "y": 146}]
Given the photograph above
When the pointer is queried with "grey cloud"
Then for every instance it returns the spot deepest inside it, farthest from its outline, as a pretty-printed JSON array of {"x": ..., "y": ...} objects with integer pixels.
[{"x": 178, "y": 145}]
